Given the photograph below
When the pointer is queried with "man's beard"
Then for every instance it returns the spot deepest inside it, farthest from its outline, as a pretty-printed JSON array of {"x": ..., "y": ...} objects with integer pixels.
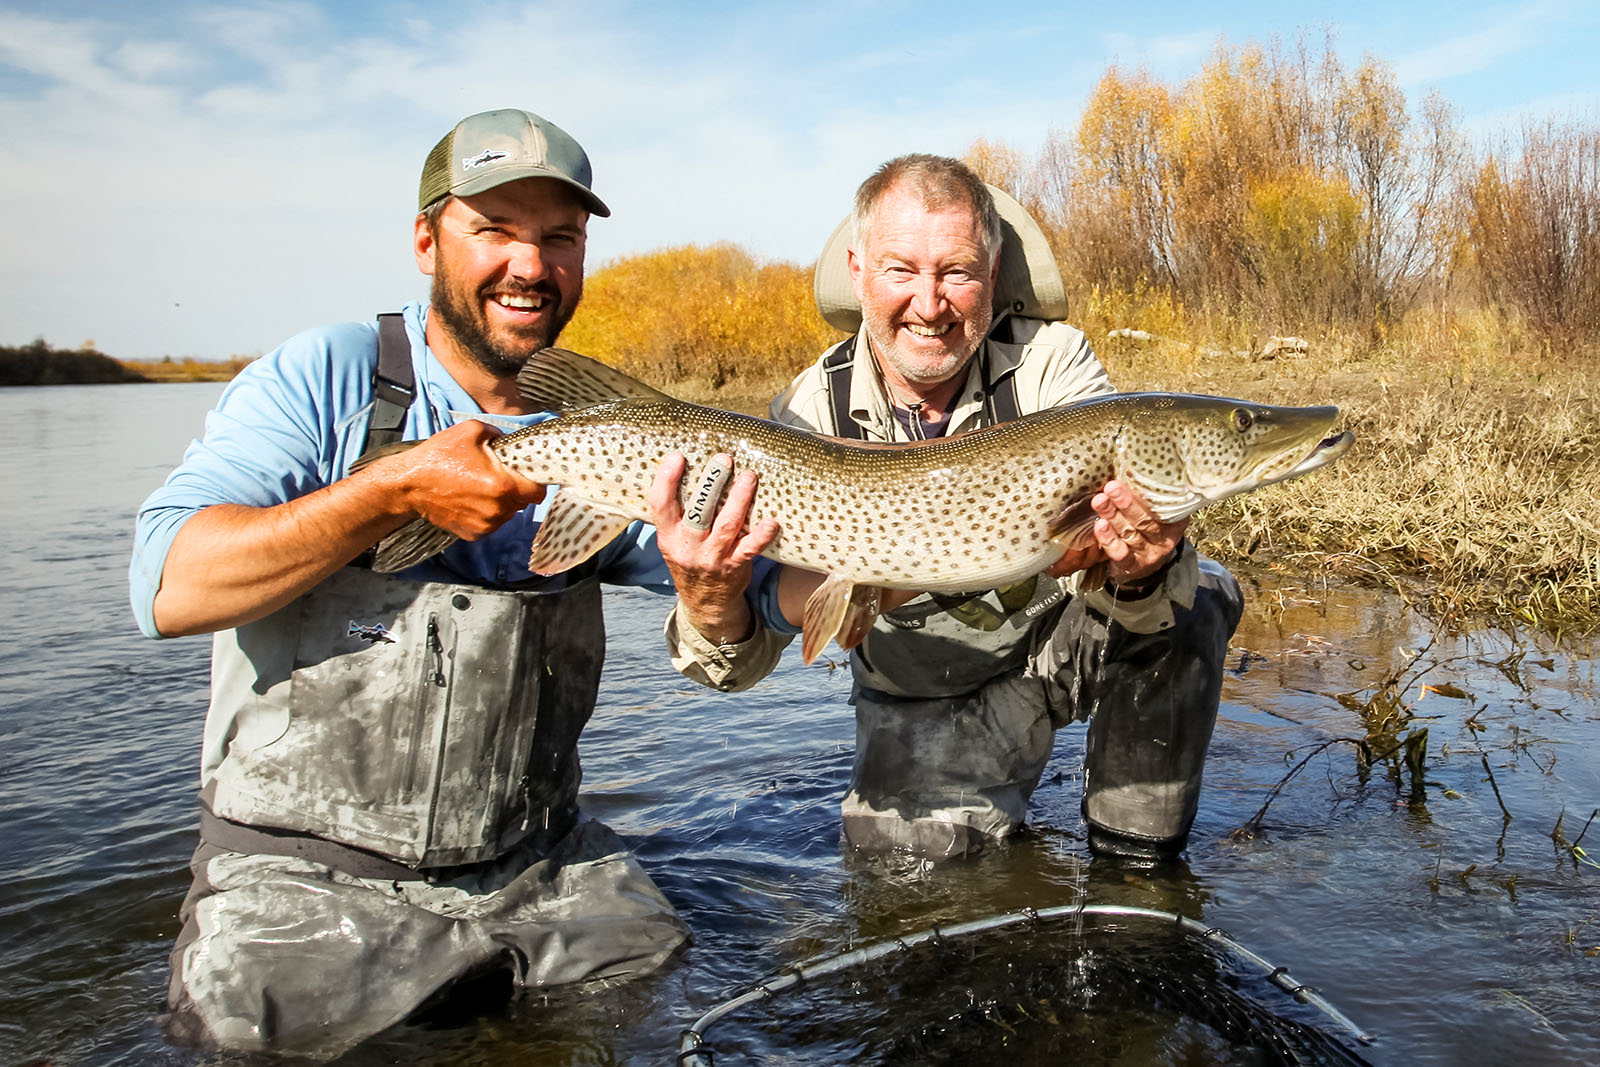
[
  {"x": 461, "y": 313},
  {"x": 885, "y": 342}
]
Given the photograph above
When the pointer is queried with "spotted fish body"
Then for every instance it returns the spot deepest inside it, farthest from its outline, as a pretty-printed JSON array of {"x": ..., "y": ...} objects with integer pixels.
[{"x": 977, "y": 511}]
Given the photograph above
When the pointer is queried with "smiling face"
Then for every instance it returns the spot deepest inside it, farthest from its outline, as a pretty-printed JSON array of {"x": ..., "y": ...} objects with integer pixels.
[
  {"x": 507, "y": 267},
  {"x": 926, "y": 287}
]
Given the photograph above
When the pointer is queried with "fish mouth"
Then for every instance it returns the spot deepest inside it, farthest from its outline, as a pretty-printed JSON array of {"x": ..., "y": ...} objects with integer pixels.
[
  {"x": 1280, "y": 467},
  {"x": 1328, "y": 449}
]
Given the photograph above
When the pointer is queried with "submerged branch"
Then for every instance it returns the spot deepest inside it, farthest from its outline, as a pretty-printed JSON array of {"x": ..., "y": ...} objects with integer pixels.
[{"x": 1252, "y": 825}]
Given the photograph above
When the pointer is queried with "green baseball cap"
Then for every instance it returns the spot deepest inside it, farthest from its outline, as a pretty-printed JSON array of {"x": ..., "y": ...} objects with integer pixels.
[{"x": 495, "y": 147}]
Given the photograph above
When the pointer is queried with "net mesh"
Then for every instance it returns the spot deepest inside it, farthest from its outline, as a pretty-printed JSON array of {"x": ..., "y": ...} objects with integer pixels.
[{"x": 1103, "y": 994}]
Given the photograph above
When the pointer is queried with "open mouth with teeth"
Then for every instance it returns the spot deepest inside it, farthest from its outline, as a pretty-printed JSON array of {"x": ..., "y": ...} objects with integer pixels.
[
  {"x": 520, "y": 301},
  {"x": 928, "y": 331}
]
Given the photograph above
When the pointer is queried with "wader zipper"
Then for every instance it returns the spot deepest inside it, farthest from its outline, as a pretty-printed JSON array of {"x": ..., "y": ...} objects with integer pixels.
[{"x": 437, "y": 648}]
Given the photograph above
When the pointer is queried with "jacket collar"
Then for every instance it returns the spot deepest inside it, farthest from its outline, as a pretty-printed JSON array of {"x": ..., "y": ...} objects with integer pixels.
[{"x": 869, "y": 397}]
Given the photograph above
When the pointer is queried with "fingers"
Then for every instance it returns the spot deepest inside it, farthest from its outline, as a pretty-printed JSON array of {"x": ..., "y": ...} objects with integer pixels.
[
  {"x": 735, "y": 513},
  {"x": 1132, "y": 537},
  {"x": 703, "y": 539},
  {"x": 665, "y": 511},
  {"x": 1129, "y": 518},
  {"x": 728, "y": 536},
  {"x": 456, "y": 481},
  {"x": 705, "y": 492},
  {"x": 710, "y": 523},
  {"x": 1075, "y": 559}
]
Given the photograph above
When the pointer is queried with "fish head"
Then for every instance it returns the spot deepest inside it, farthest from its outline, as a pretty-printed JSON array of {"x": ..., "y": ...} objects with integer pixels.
[{"x": 1184, "y": 452}]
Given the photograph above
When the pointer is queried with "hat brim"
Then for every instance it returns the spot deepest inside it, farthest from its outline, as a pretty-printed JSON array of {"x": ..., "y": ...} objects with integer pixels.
[
  {"x": 1029, "y": 283},
  {"x": 482, "y": 183}
]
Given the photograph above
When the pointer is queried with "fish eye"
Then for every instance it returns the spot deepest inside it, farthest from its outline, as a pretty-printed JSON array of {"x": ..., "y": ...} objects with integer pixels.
[{"x": 1242, "y": 419}]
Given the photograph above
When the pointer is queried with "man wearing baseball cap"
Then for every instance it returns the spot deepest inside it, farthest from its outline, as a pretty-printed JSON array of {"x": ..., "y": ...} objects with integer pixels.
[{"x": 389, "y": 769}]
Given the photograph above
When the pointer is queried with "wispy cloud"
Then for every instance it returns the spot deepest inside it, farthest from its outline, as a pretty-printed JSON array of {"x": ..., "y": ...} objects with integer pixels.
[
  {"x": 1474, "y": 52},
  {"x": 1161, "y": 53}
]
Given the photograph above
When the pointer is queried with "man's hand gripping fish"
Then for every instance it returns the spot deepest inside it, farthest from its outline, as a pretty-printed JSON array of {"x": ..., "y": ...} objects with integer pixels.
[{"x": 976, "y": 511}]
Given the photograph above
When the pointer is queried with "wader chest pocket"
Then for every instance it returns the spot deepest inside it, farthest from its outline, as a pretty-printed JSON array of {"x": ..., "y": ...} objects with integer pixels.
[{"x": 411, "y": 726}]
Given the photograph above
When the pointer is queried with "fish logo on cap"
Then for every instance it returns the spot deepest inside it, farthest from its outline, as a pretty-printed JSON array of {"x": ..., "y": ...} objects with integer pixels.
[{"x": 483, "y": 158}]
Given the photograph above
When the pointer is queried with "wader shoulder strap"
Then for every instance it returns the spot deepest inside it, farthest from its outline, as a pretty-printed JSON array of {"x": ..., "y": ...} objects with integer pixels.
[
  {"x": 393, "y": 383},
  {"x": 999, "y": 400},
  {"x": 836, "y": 368}
]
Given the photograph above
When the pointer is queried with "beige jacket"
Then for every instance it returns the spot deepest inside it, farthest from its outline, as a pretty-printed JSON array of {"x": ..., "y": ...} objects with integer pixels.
[{"x": 1050, "y": 364}]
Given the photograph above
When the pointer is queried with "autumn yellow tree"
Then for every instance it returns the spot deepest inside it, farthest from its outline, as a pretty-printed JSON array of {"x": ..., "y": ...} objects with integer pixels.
[
  {"x": 1274, "y": 186},
  {"x": 705, "y": 315},
  {"x": 1533, "y": 220}
]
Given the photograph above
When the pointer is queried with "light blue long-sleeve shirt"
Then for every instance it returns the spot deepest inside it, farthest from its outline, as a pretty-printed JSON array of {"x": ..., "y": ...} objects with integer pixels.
[{"x": 293, "y": 421}]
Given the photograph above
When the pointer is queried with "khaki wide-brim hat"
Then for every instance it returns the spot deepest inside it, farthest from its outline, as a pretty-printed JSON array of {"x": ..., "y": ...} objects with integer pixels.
[{"x": 1029, "y": 282}]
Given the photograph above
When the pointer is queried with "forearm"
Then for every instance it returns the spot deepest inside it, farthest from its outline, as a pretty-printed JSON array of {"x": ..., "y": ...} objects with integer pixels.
[
  {"x": 232, "y": 564},
  {"x": 723, "y": 618}
]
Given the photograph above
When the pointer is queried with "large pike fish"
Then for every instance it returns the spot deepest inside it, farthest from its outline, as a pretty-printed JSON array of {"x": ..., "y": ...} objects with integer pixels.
[{"x": 976, "y": 511}]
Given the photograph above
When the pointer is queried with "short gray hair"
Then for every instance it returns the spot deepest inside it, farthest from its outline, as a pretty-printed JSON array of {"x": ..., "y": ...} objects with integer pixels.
[{"x": 941, "y": 182}]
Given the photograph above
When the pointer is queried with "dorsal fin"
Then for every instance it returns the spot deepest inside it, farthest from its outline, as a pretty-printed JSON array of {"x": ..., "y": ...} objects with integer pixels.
[{"x": 558, "y": 380}]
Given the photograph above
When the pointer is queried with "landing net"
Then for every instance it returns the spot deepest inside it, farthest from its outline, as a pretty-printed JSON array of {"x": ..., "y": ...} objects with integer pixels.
[{"x": 1087, "y": 984}]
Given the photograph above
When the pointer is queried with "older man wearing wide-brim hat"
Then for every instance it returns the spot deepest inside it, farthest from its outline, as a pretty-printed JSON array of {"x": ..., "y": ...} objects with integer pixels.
[{"x": 952, "y": 300}]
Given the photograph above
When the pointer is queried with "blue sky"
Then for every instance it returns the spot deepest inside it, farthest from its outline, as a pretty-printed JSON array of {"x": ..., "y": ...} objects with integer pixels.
[{"x": 208, "y": 179}]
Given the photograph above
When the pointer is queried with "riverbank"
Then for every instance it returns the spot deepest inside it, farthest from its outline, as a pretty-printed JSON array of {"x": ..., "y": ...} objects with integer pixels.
[
  {"x": 188, "y": 370},
  {"x": 39, "y": 364}
]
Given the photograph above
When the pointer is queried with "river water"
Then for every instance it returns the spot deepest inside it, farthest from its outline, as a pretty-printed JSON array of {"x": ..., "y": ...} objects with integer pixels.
[{"x": 1449, "y": 928}]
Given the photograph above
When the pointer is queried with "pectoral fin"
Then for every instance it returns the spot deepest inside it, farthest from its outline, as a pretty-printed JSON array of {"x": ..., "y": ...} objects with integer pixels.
[
  {"x": 837, "y": 609},
  {"x": 1095, "y": 576},
  {"x": 410, "y": 545},
  {"x": 1074, "y": 526},
  {"x": 573, "y": 530}
]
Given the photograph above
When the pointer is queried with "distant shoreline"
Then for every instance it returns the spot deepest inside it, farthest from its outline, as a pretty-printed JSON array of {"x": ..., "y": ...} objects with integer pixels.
[{"x": 39, "y": 364}]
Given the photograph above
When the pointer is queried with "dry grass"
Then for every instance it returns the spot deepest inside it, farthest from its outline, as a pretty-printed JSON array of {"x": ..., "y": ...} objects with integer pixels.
[
  {"x": 188, "y": 370},
  {"x": 1473, "y": 488}
]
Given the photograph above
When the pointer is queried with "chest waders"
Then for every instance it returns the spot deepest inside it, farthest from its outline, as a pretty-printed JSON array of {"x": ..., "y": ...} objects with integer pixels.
[
  {"x": 392, "y": 773},
  {"x": 417, "y": 722},
  {"x": 957, "y": 700}
]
